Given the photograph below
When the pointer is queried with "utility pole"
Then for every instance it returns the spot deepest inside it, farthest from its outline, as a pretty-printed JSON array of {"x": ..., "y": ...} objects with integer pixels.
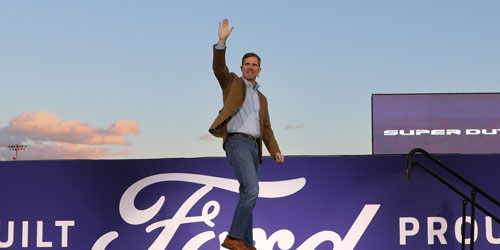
[{"x": 17, "y": 148}]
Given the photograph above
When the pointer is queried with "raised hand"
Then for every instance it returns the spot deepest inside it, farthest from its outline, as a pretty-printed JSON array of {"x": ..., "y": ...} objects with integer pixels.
[{"x": 224, "y": 31}]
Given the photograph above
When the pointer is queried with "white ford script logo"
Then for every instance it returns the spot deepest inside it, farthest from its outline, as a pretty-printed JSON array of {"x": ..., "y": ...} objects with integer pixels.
[{"x": 283, "y": 238}]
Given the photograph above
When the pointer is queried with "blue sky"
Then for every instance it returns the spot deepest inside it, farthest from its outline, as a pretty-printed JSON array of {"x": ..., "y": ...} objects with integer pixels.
[{"x": 99, "y": 62}]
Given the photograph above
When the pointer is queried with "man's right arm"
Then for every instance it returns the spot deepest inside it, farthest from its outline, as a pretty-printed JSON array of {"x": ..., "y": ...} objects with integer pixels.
[{"x": 219, "y": 61}]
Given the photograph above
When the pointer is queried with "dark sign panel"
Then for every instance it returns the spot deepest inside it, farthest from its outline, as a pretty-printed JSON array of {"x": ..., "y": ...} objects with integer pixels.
[
  {"x": 439, "y": 123},
  {"x": 307, "y": 203}
]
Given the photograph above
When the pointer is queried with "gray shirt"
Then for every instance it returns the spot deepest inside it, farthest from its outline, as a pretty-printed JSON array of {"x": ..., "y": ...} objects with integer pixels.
[{"x": 246, "y": 120}]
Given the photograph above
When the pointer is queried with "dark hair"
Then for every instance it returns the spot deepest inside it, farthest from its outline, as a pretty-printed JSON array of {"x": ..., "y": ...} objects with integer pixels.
[{"x": 249, "y": 55}]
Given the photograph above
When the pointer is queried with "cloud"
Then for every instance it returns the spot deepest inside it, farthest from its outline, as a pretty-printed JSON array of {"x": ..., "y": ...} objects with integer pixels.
[
  {"x": 122, "y": 128},
  {"x": 290, "y": 126},
  {"x": 207, "y": 138},
  {"x": 50, "y": 138},
  {"x": 45, "y": 126},
  {"x": 121, "y": 153}
]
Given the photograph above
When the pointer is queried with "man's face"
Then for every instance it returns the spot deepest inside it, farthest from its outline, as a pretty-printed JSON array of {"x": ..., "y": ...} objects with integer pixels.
[{"x": 250, "y": 68}]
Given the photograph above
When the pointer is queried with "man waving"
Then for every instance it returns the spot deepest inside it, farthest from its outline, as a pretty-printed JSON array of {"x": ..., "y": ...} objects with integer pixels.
[{"x": 244, "y": 124}]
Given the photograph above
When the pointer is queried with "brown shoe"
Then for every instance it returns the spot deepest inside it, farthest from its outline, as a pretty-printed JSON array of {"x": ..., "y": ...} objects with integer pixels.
[
  {"x": 251, "y": 248},
  {"x": 235, "y": 244}
]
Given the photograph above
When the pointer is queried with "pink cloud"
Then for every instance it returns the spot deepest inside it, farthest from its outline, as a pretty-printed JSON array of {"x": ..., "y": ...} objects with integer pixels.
[
  {"x": 207, "y": 138},
  {"x": 45, "y": 126},
  {"x": 121, "y": 153},
  {"x": 50, "y": 138},
  {"x": 123, "y": 128},
  {"x": 108, "y": 139},
  {"x": 290, "y": 126}
]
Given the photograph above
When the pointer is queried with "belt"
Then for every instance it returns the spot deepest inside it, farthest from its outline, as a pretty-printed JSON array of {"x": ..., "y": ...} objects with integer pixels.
[{"x": 247, "y": 136}]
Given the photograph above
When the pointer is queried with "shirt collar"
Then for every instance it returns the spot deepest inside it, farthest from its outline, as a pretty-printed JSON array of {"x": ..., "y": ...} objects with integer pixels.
[{"x": 249, "y": 84}]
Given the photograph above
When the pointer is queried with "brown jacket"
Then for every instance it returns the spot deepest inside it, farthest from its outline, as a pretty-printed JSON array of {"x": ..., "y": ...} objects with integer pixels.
[{"x": 233, "y": 95}]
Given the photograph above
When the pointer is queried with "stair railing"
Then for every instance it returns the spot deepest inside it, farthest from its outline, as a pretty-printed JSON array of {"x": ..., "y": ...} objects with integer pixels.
[{"x": 475, "y": 190}]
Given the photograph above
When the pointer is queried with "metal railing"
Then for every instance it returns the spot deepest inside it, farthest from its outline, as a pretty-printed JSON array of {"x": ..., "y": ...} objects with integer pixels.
[{"x": 467, "y": 199}]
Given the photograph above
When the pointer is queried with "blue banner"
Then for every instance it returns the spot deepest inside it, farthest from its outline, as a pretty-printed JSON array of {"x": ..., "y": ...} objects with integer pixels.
[{"x": 340, "y": 203}]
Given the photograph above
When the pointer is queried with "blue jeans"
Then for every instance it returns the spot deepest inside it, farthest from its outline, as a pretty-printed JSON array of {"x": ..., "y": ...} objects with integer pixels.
[{"x": 243, "y": 155}]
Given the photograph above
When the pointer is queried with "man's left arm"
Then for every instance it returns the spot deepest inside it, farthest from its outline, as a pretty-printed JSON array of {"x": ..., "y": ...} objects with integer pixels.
[{"x": 269, "y": 140}]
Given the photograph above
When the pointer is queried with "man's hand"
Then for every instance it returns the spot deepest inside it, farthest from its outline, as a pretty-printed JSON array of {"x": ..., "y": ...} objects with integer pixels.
[
  {"x": 224, "y": 32},
  {"x": 279, "y": 158}
]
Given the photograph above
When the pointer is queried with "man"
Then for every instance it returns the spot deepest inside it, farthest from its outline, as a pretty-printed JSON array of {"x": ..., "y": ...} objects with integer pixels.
[{"x": 244, "y": 124}]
